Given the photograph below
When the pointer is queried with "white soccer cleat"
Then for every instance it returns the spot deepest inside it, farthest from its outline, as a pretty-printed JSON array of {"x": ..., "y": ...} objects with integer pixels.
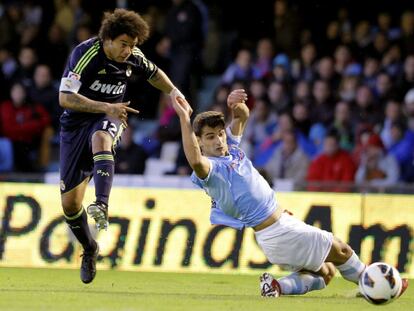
[
  {"x": 99, "y": 212},
  {"x": 269, "y": 286}
]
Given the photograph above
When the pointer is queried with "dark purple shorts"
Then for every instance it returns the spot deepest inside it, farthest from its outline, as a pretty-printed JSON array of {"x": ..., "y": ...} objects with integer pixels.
[{"x": 76, "y": 158}]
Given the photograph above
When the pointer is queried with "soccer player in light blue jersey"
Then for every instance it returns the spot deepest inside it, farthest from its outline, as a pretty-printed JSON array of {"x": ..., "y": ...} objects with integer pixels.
[{"x": 241, "y": 197}]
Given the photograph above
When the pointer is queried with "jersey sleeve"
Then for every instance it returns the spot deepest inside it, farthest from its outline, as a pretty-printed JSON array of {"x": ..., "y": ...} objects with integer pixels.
[
  {"x": 77, "y": 64},
  {"x": 142, "y": 64},
  {"x": 202, "y": 182},
  {"x": 231, "y": 139}
]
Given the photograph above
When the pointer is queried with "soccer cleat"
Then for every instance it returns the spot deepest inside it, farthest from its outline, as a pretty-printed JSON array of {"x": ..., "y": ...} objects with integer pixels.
[
  {"x": 99, "y": 212},
  {"x": 404, "y": 286},
  {"x": 88, "y": 265},
  {"x": 269, "y": 286}
]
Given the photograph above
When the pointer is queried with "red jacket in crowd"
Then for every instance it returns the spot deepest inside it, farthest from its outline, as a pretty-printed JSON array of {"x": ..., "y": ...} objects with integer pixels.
[
  {"x": 338, "y": 167},
  {"x": 22, "y": 124}
]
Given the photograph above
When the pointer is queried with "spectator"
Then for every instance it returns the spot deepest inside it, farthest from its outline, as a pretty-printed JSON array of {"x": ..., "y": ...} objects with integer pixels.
[
  {"x": 376, "y": 167},
  {"x": 287, "y": 28},
  {"x": 54, "y": 50},
  {"x": 302, "y": 92},
  {"x": 392, "y": 114},
  {"x": 184, "y": 27},
  {"x": 383, "y": 89},
  {"x": 325, "y": 70},
  {"x": 370, "y": 72},
  {"x": 406, "y": 81},
  {"x": 43, "y": 91},
  {"x": 343, "y": 124},
  {"x": 407, "y": 35},
  {"x": 333, "y": 165},
  {"x": 304, "y": 68},
  {"x": 317, "y": 135},
  {"x": 261, "y": 124},
  {"x": 300, "y": 114},
  {"x": 332, "y": 38},
  {"x": 284, "y": 123},
  {"x": 262, "y": 66},
  {"x": 348, "y": 88},
  {"x": 392, "y": 61},
  {"x": 379, "y": 45},
  {"x": 362, "y": 38},
  {"x": 289, "y": 161},
  {"x": 130, "y": 156},
  {"x": 27, "y": 63},
  {"x": 182, "y": 167},
  {"x": 384, "y": 25},
  {"x": 6, "y": 154},
  {"x": 26, "y": 124},
  {"x": 409, "y": 103},
  {"x": 258, "y": 89},
  {"x": 342, "y": 57},
  {"x": 278, "y": 97},
  {"x": 281, "y": 68},
  {"x": 366, "y": 111},
  {"x": 240, "y": 69},
  {"x": 11, "y": 25},
  {"x": 402, "y": 142},
  {"x": 321, "y": 110},
  {"x": 363, "y": 133}
]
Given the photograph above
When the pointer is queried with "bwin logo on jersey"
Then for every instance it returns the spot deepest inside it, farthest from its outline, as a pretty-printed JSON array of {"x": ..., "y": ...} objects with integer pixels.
[{"x": 107, "y": 88}]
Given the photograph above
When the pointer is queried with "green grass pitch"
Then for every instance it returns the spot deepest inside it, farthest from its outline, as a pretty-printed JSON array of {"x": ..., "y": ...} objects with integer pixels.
[{"x": 62, "y": 290}]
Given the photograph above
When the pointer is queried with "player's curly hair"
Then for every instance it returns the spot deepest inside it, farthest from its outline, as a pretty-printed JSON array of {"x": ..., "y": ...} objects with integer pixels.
[
  {"x": 121, "y": 22},
  {"x": 207, "y": 118}
]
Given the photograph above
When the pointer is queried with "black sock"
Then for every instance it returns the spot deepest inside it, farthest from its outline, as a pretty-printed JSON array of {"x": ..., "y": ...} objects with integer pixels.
[
  {"x": 78, "y": 223},
  {"x": 103, "y": 174}
]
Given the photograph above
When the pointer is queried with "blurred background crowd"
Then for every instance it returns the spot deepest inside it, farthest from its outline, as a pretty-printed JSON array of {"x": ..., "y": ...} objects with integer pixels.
[{"x": 331, "y": 86}]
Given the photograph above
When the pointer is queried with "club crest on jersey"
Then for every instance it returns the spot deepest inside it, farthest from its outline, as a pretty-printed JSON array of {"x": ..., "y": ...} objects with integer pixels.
[
  {"x": 107, "y": 88},
  {"x": 73, "y": 75},
  {"x": 128, "y": 72},
  {"x": 62, "y": 185}
]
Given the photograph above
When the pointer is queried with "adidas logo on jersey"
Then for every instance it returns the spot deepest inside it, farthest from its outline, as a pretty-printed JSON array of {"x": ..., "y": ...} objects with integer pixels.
[
  {"x": 108, "y": 88},
  {"x": 102, "y": 72}
]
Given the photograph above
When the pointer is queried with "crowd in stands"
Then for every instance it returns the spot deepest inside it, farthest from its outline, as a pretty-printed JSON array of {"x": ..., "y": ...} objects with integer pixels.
[{"x": 332, "y": 107}]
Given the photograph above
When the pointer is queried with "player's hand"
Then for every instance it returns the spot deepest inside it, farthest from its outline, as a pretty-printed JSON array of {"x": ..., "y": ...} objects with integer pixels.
[
  {"x": 176, "y": 93},
  {"x": 120, "y": 111},
  {"x": 182, "y": 108},
  {"x": 236, "y": 97}
]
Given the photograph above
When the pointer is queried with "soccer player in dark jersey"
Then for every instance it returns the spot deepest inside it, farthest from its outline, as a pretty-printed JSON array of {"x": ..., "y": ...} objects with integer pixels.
[{"x": 91, "y": 92}]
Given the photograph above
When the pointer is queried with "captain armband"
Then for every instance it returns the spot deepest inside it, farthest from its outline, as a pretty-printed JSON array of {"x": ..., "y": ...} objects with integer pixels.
[{"x": 71, "y": 83}]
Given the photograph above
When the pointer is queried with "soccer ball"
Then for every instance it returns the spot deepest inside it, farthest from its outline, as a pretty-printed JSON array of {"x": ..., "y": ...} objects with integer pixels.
[{"x": 380, "y": 283}]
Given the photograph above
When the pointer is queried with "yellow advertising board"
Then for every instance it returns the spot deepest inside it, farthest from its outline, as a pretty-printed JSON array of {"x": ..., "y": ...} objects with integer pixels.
[{"x": 169, "y": 229}]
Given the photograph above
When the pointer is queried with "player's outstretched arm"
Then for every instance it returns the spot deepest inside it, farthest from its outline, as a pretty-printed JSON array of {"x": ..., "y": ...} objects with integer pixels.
[
  {"x": 199, "y": 163},
  {"x": 240, "y": 112},
  {"x": 161, "y": 81},
  {"x": 81, "y": 103}
]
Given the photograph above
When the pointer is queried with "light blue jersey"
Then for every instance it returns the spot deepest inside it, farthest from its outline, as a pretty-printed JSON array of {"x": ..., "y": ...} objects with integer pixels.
[{"x": 240, "y": 195}]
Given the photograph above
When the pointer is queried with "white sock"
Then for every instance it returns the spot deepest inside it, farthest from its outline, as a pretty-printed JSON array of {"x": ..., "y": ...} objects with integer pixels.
[
  {"x": 300, "y": 283},
  {"x": 352, "y": 268}
]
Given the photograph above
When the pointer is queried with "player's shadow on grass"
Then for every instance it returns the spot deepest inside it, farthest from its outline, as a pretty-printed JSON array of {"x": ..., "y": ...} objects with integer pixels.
[{"x": 248, "y": 297}]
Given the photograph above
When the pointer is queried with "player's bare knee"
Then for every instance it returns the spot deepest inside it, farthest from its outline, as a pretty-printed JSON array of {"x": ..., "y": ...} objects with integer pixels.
[
  {"x": 70, "y": 206},
  {"x": 327, "y": 272},
  {"x": 331, "y": 272},
  {"x": 101, "y": 136},
  {"x": 346, "y": 251},
  {"x": 101, "y": 141}
]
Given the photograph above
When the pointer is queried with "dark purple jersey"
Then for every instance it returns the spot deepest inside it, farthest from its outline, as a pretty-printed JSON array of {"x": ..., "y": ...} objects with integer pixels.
[{"x": 90, "y": 73}]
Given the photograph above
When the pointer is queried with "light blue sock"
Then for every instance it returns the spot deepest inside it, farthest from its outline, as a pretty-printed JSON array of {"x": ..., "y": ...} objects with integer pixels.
[
  {"x": 300, "y": 283},
  {"x": 352, "y": 268}
]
